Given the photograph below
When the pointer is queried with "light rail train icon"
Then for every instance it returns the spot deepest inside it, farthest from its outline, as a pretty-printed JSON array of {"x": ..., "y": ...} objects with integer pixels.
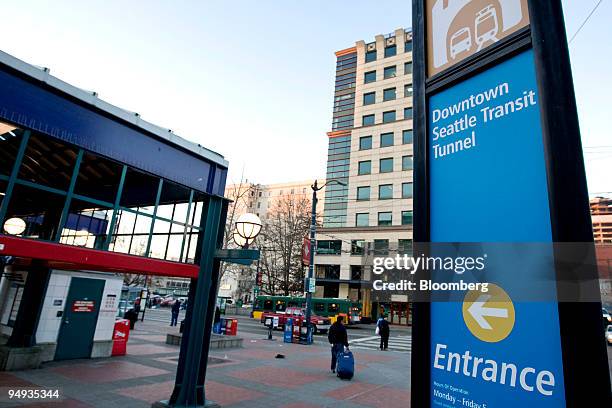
[{"x": 478, "y": 30}]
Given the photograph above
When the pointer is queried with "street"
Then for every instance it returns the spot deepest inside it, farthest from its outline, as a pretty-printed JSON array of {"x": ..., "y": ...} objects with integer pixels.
[
  {"x": 360, "y": 336},
  {"x": 262, "y": 373}
]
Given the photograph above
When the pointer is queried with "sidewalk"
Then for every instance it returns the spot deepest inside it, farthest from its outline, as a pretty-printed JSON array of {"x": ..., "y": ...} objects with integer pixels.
[{"x": 247, "y": 377}]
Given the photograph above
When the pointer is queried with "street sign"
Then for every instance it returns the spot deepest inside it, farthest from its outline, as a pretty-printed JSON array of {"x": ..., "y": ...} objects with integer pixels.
[
  {"x": 480, "y": 141},
  {"x": 489, "y": 317},
  {"x": 496, "y": 129},
  {"x": 312, "y": 285}
]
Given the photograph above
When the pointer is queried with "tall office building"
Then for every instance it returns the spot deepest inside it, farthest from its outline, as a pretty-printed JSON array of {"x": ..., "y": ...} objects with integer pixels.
[
  {"x": 370, "y": 153},
  {"x": 601, "y": 215}
]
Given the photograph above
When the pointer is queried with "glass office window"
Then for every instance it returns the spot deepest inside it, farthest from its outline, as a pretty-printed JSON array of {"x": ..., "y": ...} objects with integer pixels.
[
  {"x": 191, "y": 245},
  {"x": 406, "y": 217},
  {"x": 407, "y": 68},
  {"x": 40, "y": 209},
  {"x": 364, "y": 167},
  {"x": 370, "y": 56},
  {"x": 329, "y": 247},
  {"x": 388, "y": 116},
  {"x": 10, "y": 140},
  {"x": 363, "y": 193},
  {"x": 408, "y": 46},
  {"x": 385, "y": 218},
  {"x": 381, "y": 246},
  {"x": 386, "y": 165},
  {"x": 390, "y": 72},
  {"x": 367, "y": 120},
  {"x": 196, "y": 211},
  {"x": 362, "y": 219},
  {"x": 357, "y": 246},
  {"x": 365, "y": 143},
  {"x": 406, "y": 190},
  {"x": 139, "y": 191},
  {"x": 385, "y": 191},
  {"x": 408, "y": 91},
  {"x": 369, "y": 76},
  {"x": 173, "y": 202},
  {"x": 87, "y": 225},
  {"x": 159, "y": 239},
  {"x": 406, "y": 136},
  {"x": 98, "y": 178},
  {"x": 407, "y": 113},
  {"x": 48, "y": 162},
  {"x": 386, "y": 139},
  {"x": 3, "y": 185},
  {"x": 369, "y": 98},
  {"x": 388, "y": 94},
  {"x": 390, "y": 51},
  {"x": 407, "y": 163},
  {"x": 356, "y": 272},
  {"x": 404, "y": 246}
]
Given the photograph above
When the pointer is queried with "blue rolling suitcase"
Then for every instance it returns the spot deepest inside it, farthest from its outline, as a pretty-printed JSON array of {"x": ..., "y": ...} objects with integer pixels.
[{"x": 345, "y": 368}]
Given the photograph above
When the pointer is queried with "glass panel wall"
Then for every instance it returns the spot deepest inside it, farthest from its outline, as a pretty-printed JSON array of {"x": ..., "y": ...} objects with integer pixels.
[
  {"x": 109, "y": 206},
  {"x": 10, "y": 140}
]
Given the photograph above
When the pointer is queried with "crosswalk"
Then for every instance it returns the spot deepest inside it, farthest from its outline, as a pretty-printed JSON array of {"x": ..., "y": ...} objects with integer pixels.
[{"x": 401, "y": 344}]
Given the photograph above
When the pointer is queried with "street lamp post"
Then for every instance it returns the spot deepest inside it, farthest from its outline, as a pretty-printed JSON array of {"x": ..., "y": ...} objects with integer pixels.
[
  {"x": 248, "y": 227},
  {"x": 313, "y": 243}
]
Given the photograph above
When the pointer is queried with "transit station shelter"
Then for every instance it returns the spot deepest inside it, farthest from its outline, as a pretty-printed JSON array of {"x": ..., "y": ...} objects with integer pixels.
[{"x": 88, "y": 190}]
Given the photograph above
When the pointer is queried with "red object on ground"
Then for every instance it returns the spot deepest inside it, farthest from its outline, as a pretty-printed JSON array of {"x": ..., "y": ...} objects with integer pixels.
[
  {"x": 231, "y": 327},
  {"x": 121, "y": 333}
]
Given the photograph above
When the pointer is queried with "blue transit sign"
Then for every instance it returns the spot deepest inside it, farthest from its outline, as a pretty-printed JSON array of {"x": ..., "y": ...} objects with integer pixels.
[{"x": 488, "y": 183}]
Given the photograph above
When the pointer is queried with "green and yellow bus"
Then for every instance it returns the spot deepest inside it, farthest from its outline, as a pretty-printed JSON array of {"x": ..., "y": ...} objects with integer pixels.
[{"x": 324, "y": 307}]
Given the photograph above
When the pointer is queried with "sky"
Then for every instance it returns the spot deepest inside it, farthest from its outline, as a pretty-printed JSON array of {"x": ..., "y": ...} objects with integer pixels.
[{"x": 253, "y": 79}]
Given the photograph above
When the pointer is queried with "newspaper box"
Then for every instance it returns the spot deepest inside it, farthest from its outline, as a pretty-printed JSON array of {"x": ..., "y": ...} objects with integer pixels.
[
  {"x": 121, "y": 333},
  {"x": 231, "y": 327}
]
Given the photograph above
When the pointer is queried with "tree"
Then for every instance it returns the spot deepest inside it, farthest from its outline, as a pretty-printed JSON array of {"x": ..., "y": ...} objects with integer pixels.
[{"x": 281, "y": 239}]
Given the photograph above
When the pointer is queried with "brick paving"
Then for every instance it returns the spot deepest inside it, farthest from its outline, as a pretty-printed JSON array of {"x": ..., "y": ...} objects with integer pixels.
[{"x": 250, "y": 377}]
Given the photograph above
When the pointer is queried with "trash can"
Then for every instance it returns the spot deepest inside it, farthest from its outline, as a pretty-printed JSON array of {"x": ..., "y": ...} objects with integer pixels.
[
  {"x": 121, "y": 333},
  {"x": 231, "y": 327},
  {"x": 288, "y": 334}
]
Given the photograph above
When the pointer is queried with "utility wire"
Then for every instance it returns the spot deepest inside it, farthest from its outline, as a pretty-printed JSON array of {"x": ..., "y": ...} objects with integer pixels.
[{"x": 585, "y": 21}]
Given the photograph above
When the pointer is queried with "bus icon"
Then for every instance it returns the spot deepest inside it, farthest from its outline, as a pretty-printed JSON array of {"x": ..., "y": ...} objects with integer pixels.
[
  {"x": 486, "y": 26},
  {"x": 460, "y": 42}
]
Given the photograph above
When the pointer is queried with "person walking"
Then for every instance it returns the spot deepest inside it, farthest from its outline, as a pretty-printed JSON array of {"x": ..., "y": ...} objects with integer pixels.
[
  {"x": 176, "y": 307},
  {"x": 338, "y": 339},
  {"x": 383, "y": 329}
]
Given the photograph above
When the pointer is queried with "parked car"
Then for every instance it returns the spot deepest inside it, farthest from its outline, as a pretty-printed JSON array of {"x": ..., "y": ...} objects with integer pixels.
[
  {"x": 167, "y": 301},
  {"x": 124, "y": 306},
  {"x": 320, "y": 324},
  {"x": 606, "y": 317}
]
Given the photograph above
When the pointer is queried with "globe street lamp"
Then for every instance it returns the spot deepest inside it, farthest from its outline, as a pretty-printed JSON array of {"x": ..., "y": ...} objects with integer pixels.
[
  {"x": 238, "y": 240},
  {"x": 15, "y": 226},
  {"x": 248, "y": 227}
]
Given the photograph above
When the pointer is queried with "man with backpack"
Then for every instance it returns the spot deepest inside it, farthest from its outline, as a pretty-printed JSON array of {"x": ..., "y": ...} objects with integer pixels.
[
  {"x": 338, "y": 339},
  {"x": 382, "y": 327}
]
